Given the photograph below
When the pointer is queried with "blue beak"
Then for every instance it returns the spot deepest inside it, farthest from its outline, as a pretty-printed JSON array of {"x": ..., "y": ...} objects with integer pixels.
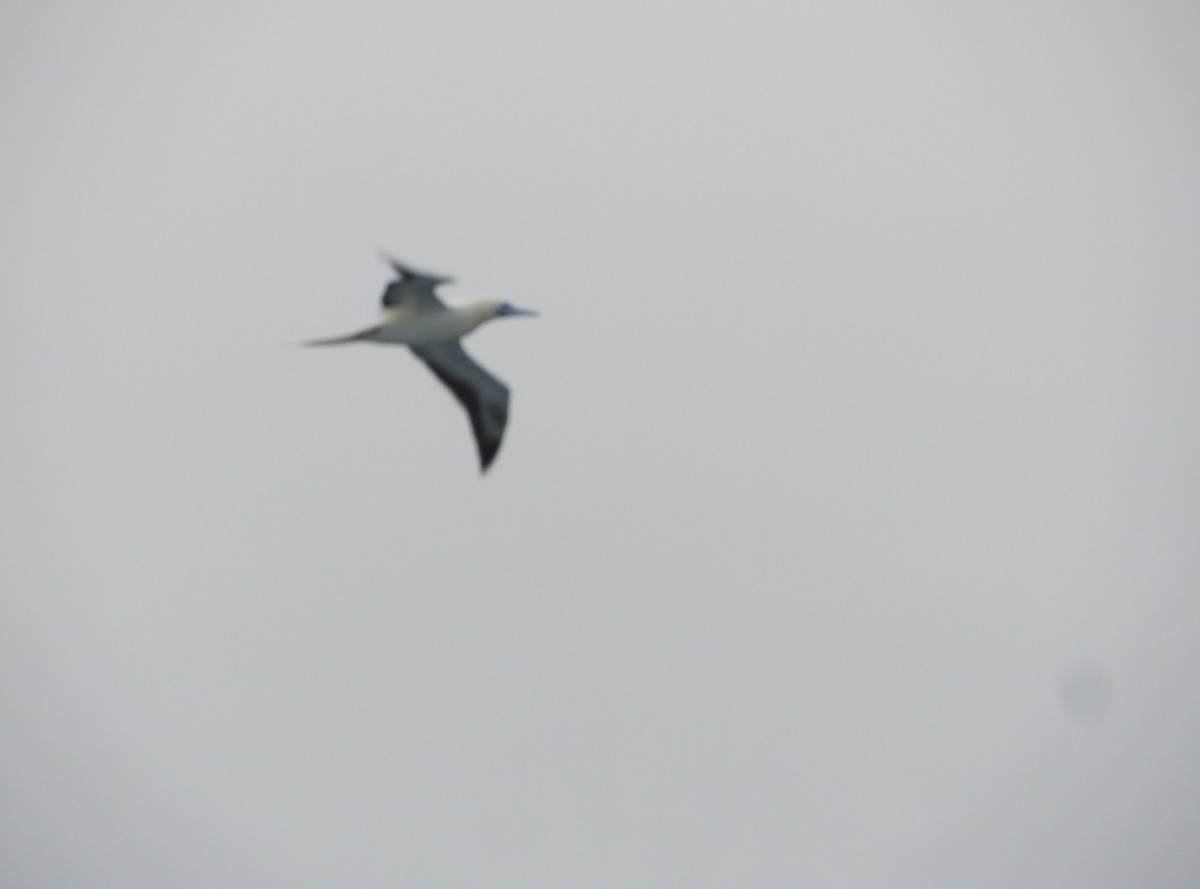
[{"x": 510, "y": 309}]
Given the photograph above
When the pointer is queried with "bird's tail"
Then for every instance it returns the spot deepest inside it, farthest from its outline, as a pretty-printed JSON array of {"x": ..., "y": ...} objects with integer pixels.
[{"x": 367, "y": 334}]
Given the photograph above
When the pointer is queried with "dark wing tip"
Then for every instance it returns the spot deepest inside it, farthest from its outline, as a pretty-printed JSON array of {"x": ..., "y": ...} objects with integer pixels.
[
  {"x": 408, "y": 273},
  {"x": 410, "y": 285},
  {"x": 488, "y": 429},
  {"x": 488, "y": 422},
  {"x": 487, "y": 453}
]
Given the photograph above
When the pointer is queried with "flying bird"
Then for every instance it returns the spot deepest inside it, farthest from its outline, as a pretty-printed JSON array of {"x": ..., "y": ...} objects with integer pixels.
[{"x": 415, "y": 316}]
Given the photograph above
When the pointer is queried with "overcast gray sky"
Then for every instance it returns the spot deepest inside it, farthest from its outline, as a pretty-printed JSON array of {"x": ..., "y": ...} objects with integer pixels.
[{"x": 845, "y": 532}]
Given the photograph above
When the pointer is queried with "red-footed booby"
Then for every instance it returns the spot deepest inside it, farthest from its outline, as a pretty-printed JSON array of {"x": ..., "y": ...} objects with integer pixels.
[{"x": 414, "y": 316}]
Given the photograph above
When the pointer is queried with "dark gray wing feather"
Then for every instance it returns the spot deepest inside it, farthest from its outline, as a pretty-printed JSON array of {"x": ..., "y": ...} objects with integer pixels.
[
  {"x": 412, "y": 288},
  {"x": 483, "y": 396}
]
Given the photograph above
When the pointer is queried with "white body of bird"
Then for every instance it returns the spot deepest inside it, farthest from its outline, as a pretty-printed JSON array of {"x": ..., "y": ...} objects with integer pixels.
[{"x": 420, "y": 326}]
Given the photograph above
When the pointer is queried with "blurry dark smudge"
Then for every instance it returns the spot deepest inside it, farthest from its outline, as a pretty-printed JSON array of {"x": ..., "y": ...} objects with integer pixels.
[{"x": 1086, "y": 694}]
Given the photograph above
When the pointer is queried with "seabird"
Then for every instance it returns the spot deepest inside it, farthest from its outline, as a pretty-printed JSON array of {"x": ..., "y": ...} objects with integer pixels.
[{"x": 415, "y": 316}]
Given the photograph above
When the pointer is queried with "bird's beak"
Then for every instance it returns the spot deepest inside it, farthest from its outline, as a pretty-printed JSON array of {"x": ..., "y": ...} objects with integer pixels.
[{"x": 507, "y": 309}]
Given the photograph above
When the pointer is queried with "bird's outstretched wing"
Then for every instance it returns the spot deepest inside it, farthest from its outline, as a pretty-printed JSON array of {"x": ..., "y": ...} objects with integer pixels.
[
  {"x": 412, "y": 288},
  {"x": 484, "y": 397}
]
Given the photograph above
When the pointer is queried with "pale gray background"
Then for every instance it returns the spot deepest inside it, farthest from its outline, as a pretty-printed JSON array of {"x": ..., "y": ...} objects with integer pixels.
[{"x": 845, "y": 534}]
